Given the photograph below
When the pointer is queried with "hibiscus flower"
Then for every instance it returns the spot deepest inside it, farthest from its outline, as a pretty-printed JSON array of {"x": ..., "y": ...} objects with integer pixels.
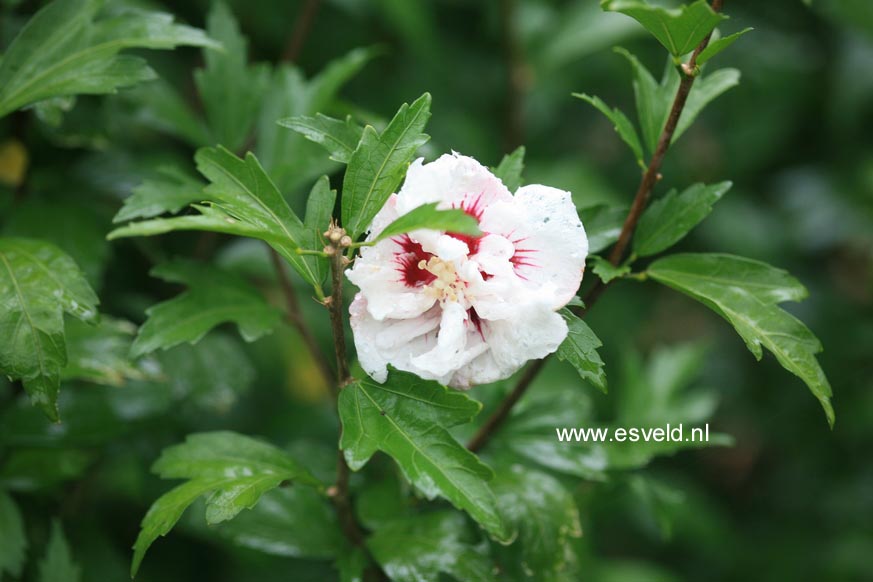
[{"x": 461, "y": 309}]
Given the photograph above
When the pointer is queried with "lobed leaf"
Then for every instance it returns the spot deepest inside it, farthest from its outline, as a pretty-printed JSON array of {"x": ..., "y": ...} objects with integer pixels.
[
  {"x": 339, "y": 138},
  {"x": 510, "y": 168},
  {"x": 662, "y": 390},
  {"x": 38, "y": 284},
  {"x": 379, "y": 162},
  {"x": 543, "y": 513},
  {"x": 233, "y": 472},
  {"x": 680, "y": 30},
  {"x": 101, "y": 353},
  {"x": 606, "y": 270},
  {"x": 407, "y": 418},
  {"x": 291, "y": 160},
  {"x": 14, "y": 546},
  {"x": 667, "y": 220},
  {"x": 621, "y": 123},
  {"x": 580, "y": 350},
  {"x": 718, "y": 45},
  {"x": 169, "y": 193},
  {"x": 294, "y": 522},
  {"x": 65, "y": 49},
  {"x": 230, "y": 89},
  {"x": 210, "y": 375},
  {"x": 425, "y": 546},
  {"x": 746, "y": 293},
  {"x": 453, "y": 220},
  {"x": 245, "y": 202},
  {"x": 31, "y": 469},
  {"x": 213, "y": 297},
  {"x": 57, "y": 565}
]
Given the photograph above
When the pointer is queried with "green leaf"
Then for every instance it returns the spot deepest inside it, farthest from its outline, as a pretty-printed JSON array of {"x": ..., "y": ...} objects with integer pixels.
[
  {"x": 213, "y": 297},
  {"x": 510, "y": 169},
  {"x": 210, "y": 375},
  {"x": 14, "y": 546},
  {"x": 57, "y": 565},
  {"x": 746, "y": 293},
  {"x": 422, "y": 547},
  {"x": 654, "y": 100},
  {"x": 602, "y": 225},
  {"x": 545, "y": 516},
  {"x": 322, "y": 89},
  {"x": 580, "y": 349},
  {"x": 352, "y": 565},
  {"x": 294, "y": 522},
  {"x": 656, "y": 502},
  {"x": 232, "y": 470},
  {"x": 76, "y": 227},
  {"x": 663, "y": 389},
  {"x": 159, "y": 107},
  {"x": 680, "y": 30},
  {"x": 245, "y": 202},
  {"x": 716, "y": 46},
  {"x": 667, "y": 220},
  {"x": 39, "y": 468},
  {"x": 407, "y": 418},
  {"x": 38, "y": 284},
  {"x": 230, "y": 89},
  {"x": 379, "y": 163},
  {"x": 319, "y": 209},
  {"x": 291, "y": 160},
  {"x": 339, "y": 138},
  {"x": 606, "y": 270},
  {"x": 319, "y": 213},
  {"x": 428, "y": 216},
  {"x": 704, "y": 90},
  {"x": 622, "y": 124},
  {"x": 63, "y": 51},
  {"x": 101, "y": 353},
  {"x": 243, "y": 190},
  {"x": 169, "y": 193}
]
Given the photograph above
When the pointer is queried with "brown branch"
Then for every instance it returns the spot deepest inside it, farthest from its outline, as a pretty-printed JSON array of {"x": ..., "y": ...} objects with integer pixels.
[
  {"x": 339, "y": 493},
  {"x": 302, "y": 26},
  {"x": 486, "y": 431},
  {"x": 650, "y": 177},
  {"x": 295, "y": 318}
]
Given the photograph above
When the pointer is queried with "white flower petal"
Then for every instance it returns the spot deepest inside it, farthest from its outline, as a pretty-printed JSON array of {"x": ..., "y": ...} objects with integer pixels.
[
  {"x": 549, "y": 239},
  {"x": 454, "y": 181},
  {"x": 464, "y": 310},
  {"x": 394, "y": 342},
  {"x": 536, "y": 332},
  {"x": 442, "y": 360},
  {"x": 379, "y": 276}
]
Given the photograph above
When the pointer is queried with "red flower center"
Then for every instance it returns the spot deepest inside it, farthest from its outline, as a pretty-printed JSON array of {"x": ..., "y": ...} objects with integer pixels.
[{"x": 408, "y": 260}]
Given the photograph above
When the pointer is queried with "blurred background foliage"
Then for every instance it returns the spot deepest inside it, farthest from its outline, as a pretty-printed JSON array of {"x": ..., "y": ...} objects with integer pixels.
[{"x": 790, "y": 500}]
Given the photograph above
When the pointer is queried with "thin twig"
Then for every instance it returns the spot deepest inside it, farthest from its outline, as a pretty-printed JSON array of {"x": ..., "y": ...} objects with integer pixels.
[
  {"x": 486, "y": 431},
  {"x": 295, "y": 318},
  {"x": 302, "y": 26},
  {"x": 651, "y": 176},
  {"x": 340, "y": 491}
]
